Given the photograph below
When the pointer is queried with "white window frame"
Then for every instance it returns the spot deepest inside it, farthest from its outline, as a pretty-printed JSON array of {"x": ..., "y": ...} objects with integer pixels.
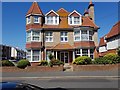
[
  {"x": 53, "y": 17},
  {"x": 31, "y": 36},
  {"x": 36, "y": 55},
  {"x": 63, "y": 36},
  {"x": 28, "y": 20},
  {"x": 76, "y": 35},
  {"x": 36, "y": 18},
  {"x": 48, "y": 36},
  {"x": 70, "y": 17},
  {"x": 28, "y": 36},
  {"x": 87, "y": 35},
  {"x": 36, "y": 36}
]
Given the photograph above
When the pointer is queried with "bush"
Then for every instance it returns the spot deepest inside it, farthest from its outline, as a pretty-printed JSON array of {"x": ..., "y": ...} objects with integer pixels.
[
  {"x": 6, "y": 63},
  {"x": 51, "y": 56},
  {"x": 111, "y": 58},
  {"x": 108, "y": 59},
  {"x": 55, "y": 62},
  {"x": 43, "y": 63},
  {"x": 82, "y": 60},
  {"x": 23, "y": 63}
]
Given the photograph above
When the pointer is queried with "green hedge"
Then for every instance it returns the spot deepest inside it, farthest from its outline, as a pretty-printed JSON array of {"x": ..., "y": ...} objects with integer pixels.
[
  {"x": 55, "y": 62},
  {"x": 23, "y": 63},
  {"x": 43, "y": 63},
  {"x": 6, "y": 63},
  {"x": 107, "y": 59},
  {"x": 82, "y": 60}
]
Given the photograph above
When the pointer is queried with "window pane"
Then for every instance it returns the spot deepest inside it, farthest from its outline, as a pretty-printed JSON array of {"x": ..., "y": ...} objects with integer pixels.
[
  {"x": 83, "y": 31},
  {"x": 36, "y": 19},
  {"x": 49, "y": 36},
  {"x": 64, "y": 36},
  {"x": 85, "y": 52}
]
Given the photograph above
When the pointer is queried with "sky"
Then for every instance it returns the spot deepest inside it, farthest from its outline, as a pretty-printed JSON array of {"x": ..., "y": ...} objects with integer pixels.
[{"x": 13, "y": 18}]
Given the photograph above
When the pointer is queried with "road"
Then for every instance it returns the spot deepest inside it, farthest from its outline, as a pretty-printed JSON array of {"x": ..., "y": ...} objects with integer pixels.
[{"x": 66, "y": 79}]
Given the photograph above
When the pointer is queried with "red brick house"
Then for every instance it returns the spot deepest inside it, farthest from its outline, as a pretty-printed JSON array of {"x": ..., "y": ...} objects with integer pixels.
[
  {"x": 111, "y": 41},
  {"x": 65, "y": 34}
]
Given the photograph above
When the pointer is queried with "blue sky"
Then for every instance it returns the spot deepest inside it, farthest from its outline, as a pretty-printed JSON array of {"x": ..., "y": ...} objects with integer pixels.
[{"x": 13, "y": 18}]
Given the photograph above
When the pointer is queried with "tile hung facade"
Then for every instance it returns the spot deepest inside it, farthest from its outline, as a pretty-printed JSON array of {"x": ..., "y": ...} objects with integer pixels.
[
  {"x": 111, "y": 41},
  {"x": 66, "y": 35}
]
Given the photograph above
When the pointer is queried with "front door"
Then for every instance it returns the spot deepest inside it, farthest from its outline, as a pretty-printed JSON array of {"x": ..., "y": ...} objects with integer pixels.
[{"x": 64, "y": 56}]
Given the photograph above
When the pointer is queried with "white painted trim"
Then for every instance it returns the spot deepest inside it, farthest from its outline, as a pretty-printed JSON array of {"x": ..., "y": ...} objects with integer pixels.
[
  {"x": 75, "y": 12},
  {"x": 46, "y": 19},
  {"x": 38, "y": 19},
  {"x": 50, "y": 12}
]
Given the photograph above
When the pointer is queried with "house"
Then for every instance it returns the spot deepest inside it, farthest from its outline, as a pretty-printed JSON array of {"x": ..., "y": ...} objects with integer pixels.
[
  {"x": 65, "y": 34},
  {"x": 111, "y": 41},
  {"x": 8, "y": 53}
]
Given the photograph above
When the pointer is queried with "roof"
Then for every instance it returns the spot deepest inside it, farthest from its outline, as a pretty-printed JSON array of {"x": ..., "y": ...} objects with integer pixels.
[
  {"x": 34, "y": 9},
  {"x": 86, "y": 21},
  {"x": 84, "y": 44},
  {"x": 63, "y": 46},
  {"x": 102, "y": 41},
  {"x": 62, "y": 12},
  {"x": 114, "y": 31}
]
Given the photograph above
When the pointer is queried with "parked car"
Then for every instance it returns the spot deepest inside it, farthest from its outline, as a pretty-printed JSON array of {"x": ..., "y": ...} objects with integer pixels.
[{"x": 22, "y": 86}]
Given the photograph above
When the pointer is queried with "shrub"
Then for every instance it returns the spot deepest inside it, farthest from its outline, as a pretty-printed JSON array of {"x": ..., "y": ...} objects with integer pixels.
[
  {"x": 51, "y": 56},
  {"x": 23, "y": 63},
  {"x": 118, "y": 50},
  {"x": 82, "y": 60},
  {"x": 111, "y": 58},
  {"x": 55, "y": 62},
  {"x": 43, "y": 63},
  {"x": 6, "y": 63},
  {"x": 108, "y": 59}
]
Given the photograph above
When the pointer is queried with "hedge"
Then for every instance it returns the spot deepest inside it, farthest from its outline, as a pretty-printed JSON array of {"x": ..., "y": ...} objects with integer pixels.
[{"x": 43, "y": 63}]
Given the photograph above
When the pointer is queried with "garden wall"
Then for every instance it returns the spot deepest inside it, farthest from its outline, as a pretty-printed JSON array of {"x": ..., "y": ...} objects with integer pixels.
[
  {"x": 32, "y": 69},
  {"x": 96, "y": 67}
]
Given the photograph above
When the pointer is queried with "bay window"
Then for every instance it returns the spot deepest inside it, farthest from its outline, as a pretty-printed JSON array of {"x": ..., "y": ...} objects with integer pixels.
[
  {"x": 77, "y": 35},
  {"x": 84, "y": 52},
  {"x": 33, "y": 55},
  {"x": 36, "y": 55},
  {"x": 28, "y": 36},
  {"x": 33, "y": 36},
  {"x": 83, "y": 35},
  {"x": 64, "y": 37},
  {"x": 49, "y": 36}
]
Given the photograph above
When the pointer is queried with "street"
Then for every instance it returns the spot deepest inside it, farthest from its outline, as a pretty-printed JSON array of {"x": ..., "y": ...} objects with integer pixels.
[{"x": 108, "y": 79}]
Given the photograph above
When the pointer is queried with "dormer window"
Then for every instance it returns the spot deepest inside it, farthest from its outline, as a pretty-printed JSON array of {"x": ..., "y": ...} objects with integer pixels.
[
  {"x": 49, "y": 20},
  {"x": 74, "y": 18},
  {"x": 52, "y": 18},
  {"x": 28, "y": 20},
  {"x": 36, "y": 19}
]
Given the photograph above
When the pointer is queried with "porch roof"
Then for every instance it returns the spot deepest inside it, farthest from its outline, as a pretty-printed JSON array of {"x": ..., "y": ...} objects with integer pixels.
[{"x": 63, "y": 46}]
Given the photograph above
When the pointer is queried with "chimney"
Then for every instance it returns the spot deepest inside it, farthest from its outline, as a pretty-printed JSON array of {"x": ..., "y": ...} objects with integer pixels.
[
  {"x": 86, "y": 13},
  {"x": 91, "y": 11}
]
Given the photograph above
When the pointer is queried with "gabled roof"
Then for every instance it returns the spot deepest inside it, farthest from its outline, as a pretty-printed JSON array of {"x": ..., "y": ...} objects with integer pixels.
[
  {"x": 34, "y": 9},
  {"x": 114, "y": 31},
  {"x": 62, "y": 12},
  {"x": 52, "y": 12},
  {"x": 75, "y": 13},
  {"x": 102, "y": 41}
]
